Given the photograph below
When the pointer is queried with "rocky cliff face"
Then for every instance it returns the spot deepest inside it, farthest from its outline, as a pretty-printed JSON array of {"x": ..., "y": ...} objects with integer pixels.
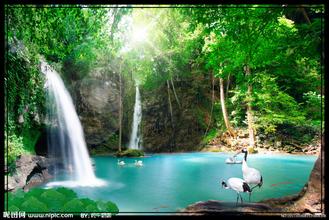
[
  {"x": 97, "y": 103},
  {"x": 96, "y": 98},
  {"x": 181, "y": 133}
]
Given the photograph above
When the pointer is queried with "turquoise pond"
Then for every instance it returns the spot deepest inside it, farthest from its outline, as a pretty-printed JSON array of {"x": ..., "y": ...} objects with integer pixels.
[{"x": 169, "y": 182}]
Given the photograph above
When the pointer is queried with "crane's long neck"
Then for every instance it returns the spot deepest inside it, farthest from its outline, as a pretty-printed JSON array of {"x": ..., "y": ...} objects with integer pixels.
[
  {"x": 245, "y": 156},
  {"x": 244, "y": 162}
]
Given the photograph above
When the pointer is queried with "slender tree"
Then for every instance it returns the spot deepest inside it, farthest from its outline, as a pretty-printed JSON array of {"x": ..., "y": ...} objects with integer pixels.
[
  {"x": 249, "y": 110},
  {"x": 120, "y": 108},
  {"x": 225, "y": 116}
]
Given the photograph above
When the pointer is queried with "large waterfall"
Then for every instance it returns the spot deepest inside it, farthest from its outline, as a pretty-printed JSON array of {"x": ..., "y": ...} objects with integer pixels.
[
  {"x": 66, "y": 143},
  {"x": 135, "y": 139}
]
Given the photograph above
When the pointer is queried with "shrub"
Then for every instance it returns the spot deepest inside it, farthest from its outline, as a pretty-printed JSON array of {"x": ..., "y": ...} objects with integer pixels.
[
  {"x": 15, "y": 148},
  {"x": 210, "y": 135},
  {"x": 130, "y": 153},
  {"x": 56, "y": 200}
]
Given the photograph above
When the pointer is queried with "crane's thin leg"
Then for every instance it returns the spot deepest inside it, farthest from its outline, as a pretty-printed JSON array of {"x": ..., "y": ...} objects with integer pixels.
[
  {"x": 241, "y": 199},
  {"x": 249, "y": 197},
  {"x": 237, "y": 199}
]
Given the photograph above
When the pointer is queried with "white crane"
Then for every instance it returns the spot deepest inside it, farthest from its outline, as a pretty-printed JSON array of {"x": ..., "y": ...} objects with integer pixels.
[
  {"x": 238, "y": 185},
  {"x": 250, "y": 175},
  {"x": 121, "y": 163},
  {"x": 138, "y": 163}
]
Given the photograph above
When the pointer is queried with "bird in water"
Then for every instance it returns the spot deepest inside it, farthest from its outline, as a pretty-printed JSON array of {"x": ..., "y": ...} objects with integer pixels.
[
  {"x": 138, "y": 163},
  {"x": 250, "y": 175},
  {"x": 238, "y": 185},
  {"x": 121, "y": 163},
  {"x": 232, "y": 160}
]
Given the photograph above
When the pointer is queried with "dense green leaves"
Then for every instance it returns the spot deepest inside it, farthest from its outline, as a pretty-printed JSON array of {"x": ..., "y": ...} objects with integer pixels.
[
  {"x": 280, "y": 45},
  {"x": 56, "y": 200},
  {"x": 71, "y": 39},
  {"x": 283, "y": 57}
]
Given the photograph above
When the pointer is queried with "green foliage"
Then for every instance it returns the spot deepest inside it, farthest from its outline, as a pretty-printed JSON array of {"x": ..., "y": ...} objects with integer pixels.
[
  {"x": 302, "y": 134},
  {"x": 109, "y": 146},
  {"x": 69, "y": 194},
  {"x": 200, "y": 117},
  {"x": 24, "y": 88},
  {"x": 282, "y": 56},
  {"x": 210, "y": 135},
  {"x": 32, "y": 204},
  {"x": 55, "y": 200},
  {"x": 130, "y": 153},
  {"x": 15, "y": 148},
  {"x": 72, "y": 38},
  {"x": 183, "y": 44},
  {"x": 59, "y": 32},
  {"x": 113, "y": 140},
  {"x": 74, "y": 205},
  {"x": 25, "y": 99},
  {"x": 273, "y": 106},
  {"x": 107, "y": 206},
  {"x": 312, "y": 105}
]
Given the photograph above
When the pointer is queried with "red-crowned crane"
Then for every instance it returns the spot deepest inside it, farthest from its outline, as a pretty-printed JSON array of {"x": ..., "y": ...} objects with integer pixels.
[
  {"x": 250, "y": 175},
  {"x": 238, "y": 185}
]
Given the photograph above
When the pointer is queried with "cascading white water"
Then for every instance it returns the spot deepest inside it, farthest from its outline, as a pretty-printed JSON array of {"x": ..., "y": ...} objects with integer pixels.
[
  {"x": 135, "y": 139},
  {"x": 66, "y": 141}
]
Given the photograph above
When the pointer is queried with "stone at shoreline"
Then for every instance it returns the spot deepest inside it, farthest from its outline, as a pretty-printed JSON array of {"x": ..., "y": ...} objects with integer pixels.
[
  {"x": 214, "y": 206},
  {"x": 30, "y": 171}
]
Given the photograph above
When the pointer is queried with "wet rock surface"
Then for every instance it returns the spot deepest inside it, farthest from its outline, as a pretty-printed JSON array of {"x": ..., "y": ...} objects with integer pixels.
[
  {"x": 165, "y": 133},
  {"x": 217, "y": 207},
  {"x": 97, "y": 101},
  {"x": 30, "y": 171}
]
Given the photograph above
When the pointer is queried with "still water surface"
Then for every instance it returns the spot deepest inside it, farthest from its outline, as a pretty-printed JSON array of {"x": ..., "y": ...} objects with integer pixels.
[{"x": 168, "y": 182}]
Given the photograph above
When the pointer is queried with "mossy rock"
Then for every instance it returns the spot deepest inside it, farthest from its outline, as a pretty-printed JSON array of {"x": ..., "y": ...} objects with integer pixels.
[{"x": 130, "y": 153}]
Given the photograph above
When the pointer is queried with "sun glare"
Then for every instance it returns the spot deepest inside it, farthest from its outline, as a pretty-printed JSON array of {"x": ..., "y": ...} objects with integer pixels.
[{"x": 139, "y": 34}]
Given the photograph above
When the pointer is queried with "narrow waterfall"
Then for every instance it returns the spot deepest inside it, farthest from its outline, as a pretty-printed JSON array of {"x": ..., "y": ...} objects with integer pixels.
[
  {"x": 66, "y": 143},
  {"x": 135, "y": 139}
]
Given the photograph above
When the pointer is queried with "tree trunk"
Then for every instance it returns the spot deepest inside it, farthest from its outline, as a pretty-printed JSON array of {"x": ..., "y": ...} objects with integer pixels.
[
  {"x": 169, "y": 101},
  {"x": 305, "y": 14},
  {"x": 225, "y": 116},
  {"x": 173, "y": 87},
  {"x": 249, "y": 111},
  {"x": 228, "y": 84},
  {"x": 120, "y": 110},
  {"x": 212, "y": 102},
  {"x": 171, "y": 114}
]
